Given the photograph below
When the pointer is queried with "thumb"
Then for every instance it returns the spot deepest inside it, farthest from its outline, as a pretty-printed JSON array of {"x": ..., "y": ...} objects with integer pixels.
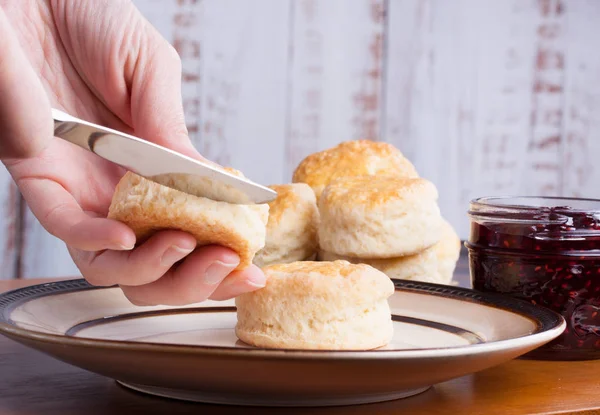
[
  {"x": 156, "y": 102},
  {"x": 25, "y": 117}
]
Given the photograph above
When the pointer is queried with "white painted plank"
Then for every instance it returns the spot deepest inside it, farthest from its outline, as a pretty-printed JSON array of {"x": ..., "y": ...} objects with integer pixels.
[
  {"x": 244, "y": 84},
  {"x": 9, "y": 218},
  {"x": 581, "y": 173},
  {"x": 187, "y": 39},
  {"x": 180, "y": 23},
  {"x": 459, "y": 98},
  {"x": 336, "y": 67},
  {"x": 545, "y": 143}
]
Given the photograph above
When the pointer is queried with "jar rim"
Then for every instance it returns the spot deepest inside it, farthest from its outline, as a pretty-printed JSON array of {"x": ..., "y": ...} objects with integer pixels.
[
  {"x": 574, "y": 204},
  {"x": 535, "y": 210}
]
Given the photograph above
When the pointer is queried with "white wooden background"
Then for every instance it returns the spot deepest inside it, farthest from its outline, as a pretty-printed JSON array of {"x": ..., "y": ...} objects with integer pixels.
[{"x": 484, "y": 96}]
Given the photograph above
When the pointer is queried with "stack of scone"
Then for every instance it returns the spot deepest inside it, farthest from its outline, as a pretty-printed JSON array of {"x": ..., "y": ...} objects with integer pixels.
[
  {"x": 292, "y": 226},
  {"x": 375, "y": 210}
]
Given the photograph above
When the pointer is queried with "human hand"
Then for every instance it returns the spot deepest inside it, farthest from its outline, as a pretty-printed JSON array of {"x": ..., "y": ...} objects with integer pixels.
[{"x": 103, "y": 62}]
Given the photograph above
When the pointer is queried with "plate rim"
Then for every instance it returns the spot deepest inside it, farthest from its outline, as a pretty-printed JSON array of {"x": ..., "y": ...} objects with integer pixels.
[{"x": 549, "y": 325}]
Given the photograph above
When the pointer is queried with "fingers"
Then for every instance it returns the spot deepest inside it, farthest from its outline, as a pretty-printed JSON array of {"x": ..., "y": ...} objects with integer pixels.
[
  {"x": 194, "y": 280},
  {"x": 25, "y": 118},
  {"x": 148, "y": 274},
  {"x": 60, "y": 214},
  {"x": 143, "y": 265}
]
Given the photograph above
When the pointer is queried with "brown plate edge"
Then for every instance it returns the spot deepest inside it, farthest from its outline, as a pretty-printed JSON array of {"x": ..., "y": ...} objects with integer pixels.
[{"x": 547, "y": 322}]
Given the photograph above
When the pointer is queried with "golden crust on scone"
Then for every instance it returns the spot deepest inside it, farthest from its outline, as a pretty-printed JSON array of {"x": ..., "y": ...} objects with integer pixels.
[
  {"x": 148, "y": 207},
  {"x": 318, "y": 305},
  {"x": 372, "y": 191},
  {"x": 350, "y": 159},
  {"x": 378, "y": 217},
  {"x": 292, "y": 226}
]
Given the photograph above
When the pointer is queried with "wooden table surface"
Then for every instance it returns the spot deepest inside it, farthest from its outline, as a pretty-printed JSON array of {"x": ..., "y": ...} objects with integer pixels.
[{"x": 32, "y": 383}]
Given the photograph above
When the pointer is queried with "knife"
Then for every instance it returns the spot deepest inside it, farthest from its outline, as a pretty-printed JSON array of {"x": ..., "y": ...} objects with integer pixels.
[{"x": 160, "y": 164}]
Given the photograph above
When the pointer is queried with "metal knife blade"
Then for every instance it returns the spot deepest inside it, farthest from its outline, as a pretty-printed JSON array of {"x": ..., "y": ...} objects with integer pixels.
[{"x": 160, "y": 164}]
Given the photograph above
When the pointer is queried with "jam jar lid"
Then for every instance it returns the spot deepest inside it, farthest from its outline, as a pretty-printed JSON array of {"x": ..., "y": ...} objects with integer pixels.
[{"x": 572, "y": 222}]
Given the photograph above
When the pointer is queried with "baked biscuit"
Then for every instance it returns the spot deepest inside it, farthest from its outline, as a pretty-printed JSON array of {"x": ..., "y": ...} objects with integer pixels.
[
  {"x": 418, "y": 267},
  {"x": 448, "y": 252},
  {"x": 292, "y": 226},
  {"x": 147, "y": 207},
  {"x": 378, "y": 217},
  {"x": 317, "y": 305},
  {"x": 350, "y": 159}
]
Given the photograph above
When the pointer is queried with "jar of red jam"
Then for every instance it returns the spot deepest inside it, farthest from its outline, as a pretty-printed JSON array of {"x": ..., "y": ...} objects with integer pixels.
[{"x": 547, "y": 251}]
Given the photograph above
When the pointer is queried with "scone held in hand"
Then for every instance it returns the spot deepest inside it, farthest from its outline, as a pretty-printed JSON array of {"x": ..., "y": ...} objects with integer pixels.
[
  {"x": 318, "y": 305},
  {"x": 379, "y": 217},
  {"x": 148, "y": 207},
  {"x": 292, "y": 226}
]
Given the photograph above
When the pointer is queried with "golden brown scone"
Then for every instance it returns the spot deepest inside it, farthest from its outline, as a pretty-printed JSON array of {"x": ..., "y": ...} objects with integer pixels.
[
  {"x": 292, "y": 226},
  {"x": 318, "y": 305},
  {"x": 378, "y": 217},
  {"x": 418, "y": 267},
  {"x": 350, "y": 159},
  {"x": 447, "y": 251},
  {"x": 147, "y": 207}
]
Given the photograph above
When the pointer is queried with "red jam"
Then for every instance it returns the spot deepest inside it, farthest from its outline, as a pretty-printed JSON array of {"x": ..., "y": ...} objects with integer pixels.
[{"x": 546, "y": 251}]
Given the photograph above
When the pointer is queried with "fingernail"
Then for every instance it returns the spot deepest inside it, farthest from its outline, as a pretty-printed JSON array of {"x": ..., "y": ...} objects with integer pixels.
[
  {"x": 217, "y": 271},
  {"x": 174, "y": 254},
  {"x": 258, "y": 280},
  {"x": 118, "y": 246}
]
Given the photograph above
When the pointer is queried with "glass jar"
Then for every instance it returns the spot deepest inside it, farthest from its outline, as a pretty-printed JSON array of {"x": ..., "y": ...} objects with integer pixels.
[{"x": 547, "y": 251}]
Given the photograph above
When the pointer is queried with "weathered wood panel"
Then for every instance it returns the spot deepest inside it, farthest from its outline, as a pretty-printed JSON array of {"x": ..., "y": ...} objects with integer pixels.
[
  {"x": 244, "y": 83},
  {"x": 473, "y": 96},
  {"x": 544, "y": 172},
  {"x": 185, "y": 36},
  {"x": 336, "y": 74},
  {"x": 9, "y": 225},
  {"x": 581, "y": 146},
  {"x": 180, "y": 23}
]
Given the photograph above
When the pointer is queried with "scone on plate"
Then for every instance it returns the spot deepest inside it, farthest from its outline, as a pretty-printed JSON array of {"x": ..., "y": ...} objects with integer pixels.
[
  {"x": 318, "y": 305},
  {"x": 418, "y": 267},
  {"x": 292, "y": 226},
  {"x": 378, "y": 217},
  {"x": 447, "y": 251},
  {"x": 147, "y": 207},
  {"x": 351, "y": 159}
]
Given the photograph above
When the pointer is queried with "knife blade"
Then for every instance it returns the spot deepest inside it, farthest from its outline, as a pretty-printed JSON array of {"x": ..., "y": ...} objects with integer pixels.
[{"x": 158, "y": 163}]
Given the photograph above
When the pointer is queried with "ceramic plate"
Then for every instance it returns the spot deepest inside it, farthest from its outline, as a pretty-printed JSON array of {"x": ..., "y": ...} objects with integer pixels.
[{"x": 192, "y": 352}]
